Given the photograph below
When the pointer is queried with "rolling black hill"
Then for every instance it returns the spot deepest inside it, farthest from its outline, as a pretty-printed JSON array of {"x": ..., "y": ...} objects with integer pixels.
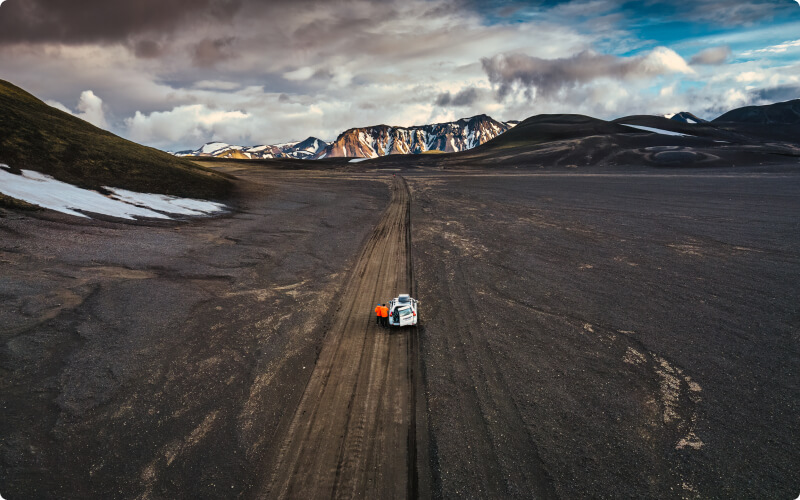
[{"x": 780, "y": 113}]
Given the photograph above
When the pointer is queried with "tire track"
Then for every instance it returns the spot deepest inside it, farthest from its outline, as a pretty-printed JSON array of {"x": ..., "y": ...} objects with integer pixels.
[{"x": 354, "y": 432}]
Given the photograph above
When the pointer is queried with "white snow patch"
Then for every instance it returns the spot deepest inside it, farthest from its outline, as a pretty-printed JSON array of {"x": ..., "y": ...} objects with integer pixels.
[
  {"x": 166, "y": 203},
  {"x": 657, "y": 130},
  {"x": 357, "y": 160},
  {"x": 47, "y": 192},
  {"x": 213, "y": 146}
]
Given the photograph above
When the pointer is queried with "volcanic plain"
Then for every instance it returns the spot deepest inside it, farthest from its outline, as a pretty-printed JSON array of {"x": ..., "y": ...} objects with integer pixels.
[{"x": 584, "y": 333}]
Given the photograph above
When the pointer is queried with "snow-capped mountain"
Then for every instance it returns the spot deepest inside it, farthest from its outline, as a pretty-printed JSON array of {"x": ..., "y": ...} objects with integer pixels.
[
  {"x": 303, "y": 150},
  {"x": 371, "y": 142},
  {"x": 382, "y": 140},
  {"x": 685, "y": 117}
]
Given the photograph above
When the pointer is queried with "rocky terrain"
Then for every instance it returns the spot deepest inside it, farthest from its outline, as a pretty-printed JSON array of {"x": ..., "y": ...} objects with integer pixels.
[
  {"x": 370, "y": 142},
  {"x": 383, "y": 140},
  {"x": 303, "y": 150}
]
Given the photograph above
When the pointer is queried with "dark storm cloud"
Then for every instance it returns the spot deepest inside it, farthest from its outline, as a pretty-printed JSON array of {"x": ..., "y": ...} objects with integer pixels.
[
  {"x": 465, "y": 97},
  {"x": 210, "y": 51},
  {"x": 103, "y": 21},
  {"x": 713, "y": 56},
  {"x": 777, "y": 94},
  {"x": 147, "y": 49},
  {"x": 549, "y": 76},
  {"x": 734, "y": 13}
]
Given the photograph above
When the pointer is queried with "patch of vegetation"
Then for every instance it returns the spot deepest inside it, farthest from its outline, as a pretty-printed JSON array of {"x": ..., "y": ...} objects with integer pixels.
[
  {"x": 35, "y": 136},
  {"x": 15, "y": 204}
]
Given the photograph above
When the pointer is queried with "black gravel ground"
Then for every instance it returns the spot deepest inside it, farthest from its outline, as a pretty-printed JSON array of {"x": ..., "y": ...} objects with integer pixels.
[
  {"x": 611, "y": 335},
  {"x": 583, "y": 334},
  {"x": 165, "y": 362}
]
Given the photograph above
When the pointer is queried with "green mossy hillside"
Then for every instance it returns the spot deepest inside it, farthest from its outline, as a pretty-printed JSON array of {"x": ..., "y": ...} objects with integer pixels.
[{"x": 35, "y": 136}]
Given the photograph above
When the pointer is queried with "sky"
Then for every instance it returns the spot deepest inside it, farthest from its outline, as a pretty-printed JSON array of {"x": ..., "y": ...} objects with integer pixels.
[{"x": 175, "y": 74}]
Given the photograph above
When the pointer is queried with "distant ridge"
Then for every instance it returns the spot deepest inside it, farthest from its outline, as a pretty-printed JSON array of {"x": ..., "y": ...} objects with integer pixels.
[
  {"x": 780, "y": 113},
  {"x": 371, "y": 142},
  {"x": 384, "y": 140},
  {"x": 302, "y": 150},
  {"x": 686, "y": 117}
]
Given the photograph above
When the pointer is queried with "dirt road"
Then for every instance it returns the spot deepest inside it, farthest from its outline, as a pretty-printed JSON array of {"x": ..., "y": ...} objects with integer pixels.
[{"x": 353, "y": 434}]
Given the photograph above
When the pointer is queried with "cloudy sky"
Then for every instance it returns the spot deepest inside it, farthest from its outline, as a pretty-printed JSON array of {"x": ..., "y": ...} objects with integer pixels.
[{"x": 175, "y": 74}]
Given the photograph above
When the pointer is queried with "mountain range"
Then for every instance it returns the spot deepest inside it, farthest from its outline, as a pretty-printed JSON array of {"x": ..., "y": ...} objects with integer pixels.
[{"x": 371, "y": 142}]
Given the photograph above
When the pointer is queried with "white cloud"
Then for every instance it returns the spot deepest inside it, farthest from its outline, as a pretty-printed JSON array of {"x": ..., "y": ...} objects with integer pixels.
[
  {"x": 664, "y": 60},
  {"x": 90, "y": 108},
  {"x": 299, "y": 74},
  {"x": 774, "y": 49},
  {"x": 751, "y": 76},
  {"x": 193, "y": 122},
  {"x": 735, "y": 98}
]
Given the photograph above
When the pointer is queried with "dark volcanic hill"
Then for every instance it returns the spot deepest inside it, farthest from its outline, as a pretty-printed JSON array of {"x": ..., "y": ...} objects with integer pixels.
[
  {"x": 773, "y": 122},
  {"x": 38, "y": 137},
  {"x": 576, "y": 141},
  {"x": 542, "y": 129},
  {"x": 686, "y": 117},
  {"x": 781, "y": 113}
]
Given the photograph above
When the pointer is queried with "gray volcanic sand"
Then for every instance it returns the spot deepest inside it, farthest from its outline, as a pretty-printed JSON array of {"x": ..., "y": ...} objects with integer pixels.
[
  {"x": 629, "y": 335},
  {"x": 166, "y": 361},
  {"x": 581, "y": 335}
]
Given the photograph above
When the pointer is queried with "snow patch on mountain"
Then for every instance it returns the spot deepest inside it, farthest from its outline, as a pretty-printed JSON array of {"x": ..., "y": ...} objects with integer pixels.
[
  {"x": 306, "y": 149},
  {"x": 656, "y": 130},
  {"x": 212, "y": 147}
]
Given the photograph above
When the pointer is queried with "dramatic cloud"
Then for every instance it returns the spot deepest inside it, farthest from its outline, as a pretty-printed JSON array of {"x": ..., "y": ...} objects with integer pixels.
[
  {"x": 177, "y": 73},
  {"x": 774, "y": 49},
  {"x": 209, "y": 52},
  {"x": 734, "y": 13},
  {"x": 90, "y": 108},
  {"x": 89, "y": 21},
  {"x": 147, "y": 49},
  {"x": 196, "y": 122},
  {"x": 465, "y": 97},
  {"x": 713, "y": 56},
  {"x": 777, "y": 94},
  {"x": 549, "y": 76}
]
